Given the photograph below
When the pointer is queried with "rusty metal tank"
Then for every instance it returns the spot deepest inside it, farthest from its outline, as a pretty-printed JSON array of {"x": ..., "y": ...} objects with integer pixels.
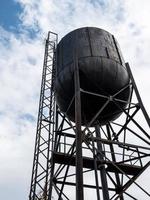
[{"x": 102, "y": 71}]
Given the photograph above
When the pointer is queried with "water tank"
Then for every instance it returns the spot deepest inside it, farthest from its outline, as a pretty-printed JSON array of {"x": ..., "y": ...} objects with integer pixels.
[{"x": 102, "y": 71}]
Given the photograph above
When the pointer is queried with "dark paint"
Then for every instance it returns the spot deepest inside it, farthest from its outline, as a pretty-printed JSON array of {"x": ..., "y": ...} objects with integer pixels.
[{"x": 102, "y": 70}]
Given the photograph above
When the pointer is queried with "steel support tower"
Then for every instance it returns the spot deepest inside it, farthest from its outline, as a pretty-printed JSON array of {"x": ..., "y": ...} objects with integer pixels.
[{"x": 104, "y": 162}]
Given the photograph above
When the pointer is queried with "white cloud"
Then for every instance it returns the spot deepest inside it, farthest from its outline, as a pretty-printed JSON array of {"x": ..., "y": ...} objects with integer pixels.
[
  {"x": 20, "y": 66},
  {"x": 21, "y": 60}
]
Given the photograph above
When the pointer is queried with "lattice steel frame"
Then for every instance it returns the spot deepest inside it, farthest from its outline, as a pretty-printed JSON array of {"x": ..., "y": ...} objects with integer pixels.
[
  {"x": 45, "y": 125},
  {"x": 64, "y": 146}
]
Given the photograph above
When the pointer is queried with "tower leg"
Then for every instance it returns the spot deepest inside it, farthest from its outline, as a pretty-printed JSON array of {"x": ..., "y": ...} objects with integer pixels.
[
  {"x": 102, "y": 168},
  {"x": 137, "y": 94},
  {"x": 114, "y": 160},
  {"x": 79, "y": 161}
]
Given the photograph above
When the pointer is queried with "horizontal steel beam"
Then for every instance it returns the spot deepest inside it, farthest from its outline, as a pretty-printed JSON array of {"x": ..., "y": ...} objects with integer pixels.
[
  {"x": 84, "y": 185},
  {"x": 88, "y": 163},
  {"x": 105, "y": 141}
]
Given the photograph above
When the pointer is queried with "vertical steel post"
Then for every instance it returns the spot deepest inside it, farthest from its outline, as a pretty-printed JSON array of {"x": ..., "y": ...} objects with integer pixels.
[
  {"x": 79, "y": 161},
  {"x": 137, "y": 94},
  {"x": 114, "y": 160},
  {"x": 102, "y": 167}
]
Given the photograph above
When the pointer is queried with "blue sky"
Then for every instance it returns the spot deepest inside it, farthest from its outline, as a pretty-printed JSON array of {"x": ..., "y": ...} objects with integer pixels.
[
  {"x": 23, "y": 28},
  {"x": 9, "y": 14}
]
